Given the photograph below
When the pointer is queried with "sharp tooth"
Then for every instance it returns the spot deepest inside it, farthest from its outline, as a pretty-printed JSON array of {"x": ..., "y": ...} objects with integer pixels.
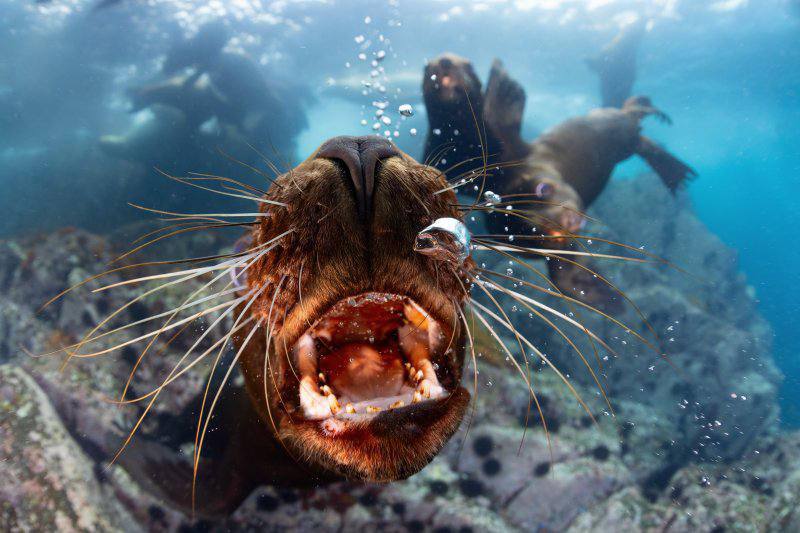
[
  {"x": 373, "y": 409},
  {"x": 334, "y": 404},
  {"x": 428, "y": 388},
  {"x": 417, "y": 397},
  {"x": 349, "y": 408},
  {"x": 398, "y": 403},
  {"x": 314, "y": 405},
  {"x": 418, "y": 376},
  {"x": 321, "y": 377},
  {"x": 411, "y": 372},
  {"x": 407, "y": 365},
  {"x": 326, "y": 390},
  {"x": 306, "y": 356}
]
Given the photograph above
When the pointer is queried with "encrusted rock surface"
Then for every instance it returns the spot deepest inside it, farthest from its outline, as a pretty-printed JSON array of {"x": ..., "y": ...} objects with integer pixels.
[
  {"x": 708, "y": 387},
  {"x": 49, "y": 482},
  {"x": 682, "y": 454}
]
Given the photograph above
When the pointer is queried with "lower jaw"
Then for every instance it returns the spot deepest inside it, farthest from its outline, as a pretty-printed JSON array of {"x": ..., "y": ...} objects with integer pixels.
[{"x": 390, "y": 446}]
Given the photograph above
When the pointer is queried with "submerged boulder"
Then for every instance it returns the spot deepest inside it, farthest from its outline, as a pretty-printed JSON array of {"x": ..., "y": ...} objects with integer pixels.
[
  {"x": 49, "y": 482},
  {"x": 706, "y": 386}
]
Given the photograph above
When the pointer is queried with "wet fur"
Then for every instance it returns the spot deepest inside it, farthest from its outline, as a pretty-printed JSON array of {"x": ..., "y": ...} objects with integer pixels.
[
  {"x": 576, "y": 157},
  {"x": 463, "y": 112},
  {"x": 341, "y": 255}
]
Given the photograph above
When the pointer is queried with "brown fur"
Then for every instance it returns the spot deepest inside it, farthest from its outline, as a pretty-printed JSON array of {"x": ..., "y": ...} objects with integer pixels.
[
  {"x": 455, "y": 109},
  {"x": 340, "y": 255},
  {"x": 574, "y": 160}
]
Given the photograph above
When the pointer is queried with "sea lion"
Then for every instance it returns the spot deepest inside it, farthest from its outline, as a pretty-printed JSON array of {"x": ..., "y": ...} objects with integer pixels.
[
  {"x": 454, "y": 102},
  {"x": 346, "y": 302},
  {"x": 369, "y": 305},
  {"x": 193, "y": 93},
  {"x": 353, "y": 339},
  {"x": 258, "y": 106},
  {"x": 566, "y": 168},
  {"x": 616, "y": 65}
]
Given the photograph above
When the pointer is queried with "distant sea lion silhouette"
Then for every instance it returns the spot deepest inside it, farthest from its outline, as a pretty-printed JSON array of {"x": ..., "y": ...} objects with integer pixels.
[
  {"x": 616, "y": 65},
  {"x": 260, "y": 108},
  {"x": 192, "y": 93},
  {"x": 566, "y": 168}
]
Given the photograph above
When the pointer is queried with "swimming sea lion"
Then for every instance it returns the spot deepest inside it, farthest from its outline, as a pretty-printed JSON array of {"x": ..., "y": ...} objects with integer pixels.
[
  {"x": 193, "y": 93},
  {"x": 454, "y": 103},
  {"x": 349, "y": 330},
  {"x": 345, "y": 304},
  {"x": 616, "y": 65},
  {"x": 567, "y": 167}
]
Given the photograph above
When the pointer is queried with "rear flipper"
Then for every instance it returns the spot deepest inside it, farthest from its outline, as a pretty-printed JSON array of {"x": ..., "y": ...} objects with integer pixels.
[
  {"x": 504, "y": 103},
  {"x": 672, "y": 171},
  {"x": 583, "y": 285}
]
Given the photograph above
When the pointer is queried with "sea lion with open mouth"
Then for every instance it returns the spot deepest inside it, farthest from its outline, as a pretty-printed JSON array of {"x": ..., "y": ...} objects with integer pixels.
[
  {"x": 454, "y": 102},
  {"x": 565, "y": 169},
  {"x": 347, "y": 299},
  {"x": 345, "y": 304},
  {"x": 363, "y": 333}
]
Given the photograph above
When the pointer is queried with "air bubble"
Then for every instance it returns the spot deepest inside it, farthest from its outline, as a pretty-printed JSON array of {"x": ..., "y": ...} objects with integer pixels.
[
  {"x": 406, "y": 110},
  {"x": 492, "y": 198}
]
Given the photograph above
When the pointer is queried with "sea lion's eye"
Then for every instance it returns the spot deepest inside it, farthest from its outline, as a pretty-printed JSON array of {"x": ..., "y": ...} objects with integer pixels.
[{"x": 544, "y": 190}]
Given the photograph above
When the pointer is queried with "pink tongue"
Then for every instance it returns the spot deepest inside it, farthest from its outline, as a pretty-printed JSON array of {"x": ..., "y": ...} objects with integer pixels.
[{"x": 360, "y": 371}]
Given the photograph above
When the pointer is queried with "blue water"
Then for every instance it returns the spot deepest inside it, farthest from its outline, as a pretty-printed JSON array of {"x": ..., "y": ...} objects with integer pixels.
[{"x": 727, "y": 71}]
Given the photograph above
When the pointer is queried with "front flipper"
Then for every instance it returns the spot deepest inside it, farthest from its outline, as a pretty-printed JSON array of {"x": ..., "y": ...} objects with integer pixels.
[
  {"x": 577, "y": 281},
  {"x": 672, "y": 171},
  {"x": 504, "y": 103},
  {"x": 642, "y": 106}
]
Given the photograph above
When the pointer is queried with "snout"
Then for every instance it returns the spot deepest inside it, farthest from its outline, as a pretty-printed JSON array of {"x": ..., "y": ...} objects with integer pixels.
[{"x": 571, "y": 222}]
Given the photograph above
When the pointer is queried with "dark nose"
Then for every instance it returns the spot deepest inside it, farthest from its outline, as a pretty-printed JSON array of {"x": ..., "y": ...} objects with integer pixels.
[{"x": 361, "y": 156}]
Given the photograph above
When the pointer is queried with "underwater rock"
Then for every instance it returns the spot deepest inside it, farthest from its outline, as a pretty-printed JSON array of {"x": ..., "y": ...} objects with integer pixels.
[
  {"x": 49, "y": 483},
  {"x": 619, "y": 472},
  {"x": 714, "y": 391}
]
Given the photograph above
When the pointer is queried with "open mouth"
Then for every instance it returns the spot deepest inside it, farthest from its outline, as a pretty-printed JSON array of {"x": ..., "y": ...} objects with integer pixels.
[{"x": 369, "y": 354}]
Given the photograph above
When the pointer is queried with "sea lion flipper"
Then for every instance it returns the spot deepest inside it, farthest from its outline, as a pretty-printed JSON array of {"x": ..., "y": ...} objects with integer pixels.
[
  {"x": 672, "y": 171},
  {"x": 641, "y": 106},
  {"x": 504, "y": 103}
]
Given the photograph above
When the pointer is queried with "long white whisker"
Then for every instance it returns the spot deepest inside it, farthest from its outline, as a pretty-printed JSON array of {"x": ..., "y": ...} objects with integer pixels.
[
  {"x": 154, "y": 317},
  {"x": 176, "y": 375},
  {"x": 160, "y": 330},
  {"x": 153, "y": 399},
  {"x": 546, "y": 251},
  {"x": 530, "y": 345},
  {"x": 194, "y": 272},
  {"x": 535, "y": 303}
]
